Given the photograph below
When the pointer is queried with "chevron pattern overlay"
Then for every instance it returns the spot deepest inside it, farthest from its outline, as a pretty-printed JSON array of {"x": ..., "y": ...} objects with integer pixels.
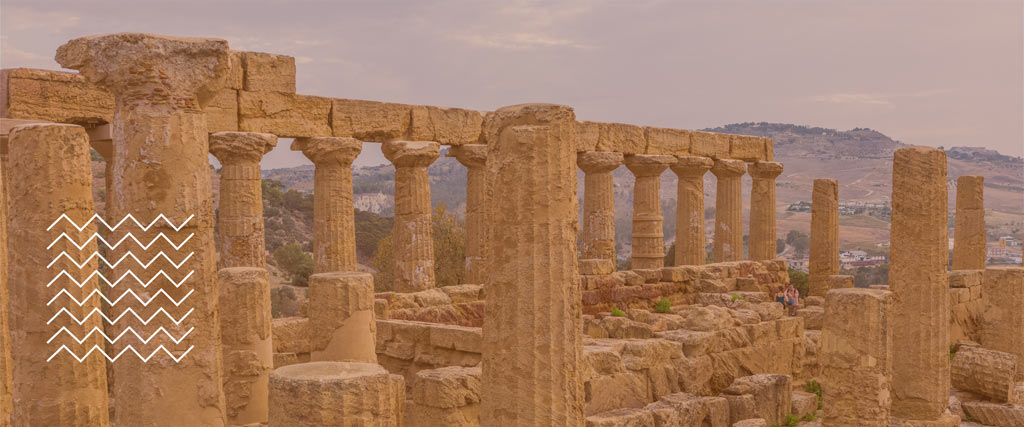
[{"x": 124, "y": 282}]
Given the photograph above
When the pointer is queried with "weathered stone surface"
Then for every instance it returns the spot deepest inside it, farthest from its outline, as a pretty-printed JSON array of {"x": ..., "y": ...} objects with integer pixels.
[
  {"x": 248, "y": 353},
  {"x": 762, "y": 206},
  {"x": 335, "y": 394},
  {"x": 995, "y": 414},
  {"x": 531, "y": 184},
  {"x": 449, "y": 387},
  {"x": 413, "y": 244},
  {"x": 53, "y": 96},
  {"x": 240, "y": 209},
  {"x": 648, "y": 237},
  {"x": 989, "y": 373},
  {"x": 596, "y": 266},
  {"x": 474, "y": 158},
  {"x": 678, "y": 409},
  {"x": 341, "y": 321},
  {"x": 772, "y": 395},
  {"x": 667, "y": 141},
  {"x": 729, "y": 210},
  {"x": 747, "y": 148},
  {"x": 370, "y": 120},
  {"x": 804, "y": 403},
  {"x": 857, "y": 357},
  {"x": 690, "y": 209},
  {"x": 1003, "y": 328},
  {"x": 267, "y": 72},
  {"x": 840, "y": 281},
  {"x": 622, "y": 418},
  {"x": 222, "y": 111},
  {"x": 621, "y": 138},
  {"x": 707, "y": 144},
  {"x": 917, "y": 277},
  {"x": 449, "y": 126},
  {"x": 824, "y": 256},
  {"x": 286, "y": 115},
  {"x": 50, "y": 177},
  {"x": 969, "y": 234},
  {"x": 598, "y": 237},
  {"x": 814, "y": 317},
  {"x": 334, "y": 227},
  {"x": 6, "y": 385},
  {"x": 751, "y": 422},
  {"x": 291, "y": 335}
]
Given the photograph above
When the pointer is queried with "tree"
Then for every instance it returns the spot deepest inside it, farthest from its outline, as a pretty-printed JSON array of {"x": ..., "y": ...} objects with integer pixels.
[
  {"x": 799, "y": 281},
  {"x": 780, "y": 245},
  {"x": 293, "y": 260},
  {"x": 799, "y": 241}
]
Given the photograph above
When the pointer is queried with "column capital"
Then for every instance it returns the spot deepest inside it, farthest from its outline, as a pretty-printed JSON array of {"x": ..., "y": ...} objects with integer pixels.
[
  {"x": 241, "y": 146},
  {"x": 765, "y": 170},
  {"x": 692, "y": 166},
  {"x": 471, "y": 156},
  {"x": 728, "y": 168},
  {"x": 150, "y": 70},
  {"x": 598, "y": 161},
  {"x": 329, "y": 149},
  {"x": 411, "y": 154},
  {"x": 648, "y": 164}
]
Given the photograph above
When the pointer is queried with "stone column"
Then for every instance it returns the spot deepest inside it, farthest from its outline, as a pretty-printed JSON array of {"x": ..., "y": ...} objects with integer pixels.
[
  {"x": 246, "y": 334},
  {"x": 240, "y": 209},
  {"x": 161, "y": 167},
  {"x": 917, "y": 276},
  {"x": 857, "y": 357},
  {"x": 474, "y": 158},
  {"x": 969, "y": 249},
  {"x": 648, "y": 236},
  {"x": 1003, "y": 327},
  {"x": 336, "y": 394},
  {"x": 762, "y": 210},
  {"x": 5, "y": 336},
  {"x": 598, "y": 204},
  {"x": 989, "y": 373},
  {"x": 334, "y": 216},
  {"x": 341, "y": 320},
  {"x": 50, "y": 177},
  {"x": 824, "y": 257},
  {"x": 690, "y": 238},
  {"x": 532, "y": 334},
  {"x": 413, "y": 235},
  {"x": 729, "y": 210}
]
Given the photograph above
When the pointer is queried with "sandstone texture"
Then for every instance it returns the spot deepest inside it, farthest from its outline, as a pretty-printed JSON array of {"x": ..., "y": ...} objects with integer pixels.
[
  {"x": 690, "y": 239},
  {"x": 648, "y": 237},
  {"x": 729, "y": 210},
  {"x": 240, "y": 209},
  {"x": 1003, "y": 329},
  {"x": 413, "y": 241},
  {"x": 335, "y": 394},
  {"x": 762, "y": 209},
  {"x": 474, "y": 158},
  {"x": 598, "y": 236},
  {"x": 341, "y": 321},
  {"x": 986, "y": 372},
  {"x": 824, "y": 255},
  {"x": 246, "y": 337},
  {"x": 969, "y": 233},
  {"x": 334, "y": 229}
]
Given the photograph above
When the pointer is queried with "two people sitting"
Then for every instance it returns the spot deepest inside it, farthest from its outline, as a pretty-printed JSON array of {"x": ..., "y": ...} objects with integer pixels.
[{"x": 789, "y": 297}]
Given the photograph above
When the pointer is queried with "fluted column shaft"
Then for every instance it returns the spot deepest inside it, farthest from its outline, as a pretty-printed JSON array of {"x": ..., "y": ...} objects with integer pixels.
[
  {"x": 729, "y": 210},
  {"x": 824, "y": 256},
  {"x": 413, "y": 232},
  {"x": 474, "y": 158},
  {"x": 246, "y": 334},
  {"x": 598, "y": 239},
  {"x": 341, "y": 319},
  {"x": 690, "y": 238},
  {"x": 334, "y": 226},
  {"x": 762, "y": 209},
  {"x": 648, "y": 236},
  {"x": 969, "y": 249},
  {"x": 6, "y": 384},
  {"x": 240, "y": 209}
]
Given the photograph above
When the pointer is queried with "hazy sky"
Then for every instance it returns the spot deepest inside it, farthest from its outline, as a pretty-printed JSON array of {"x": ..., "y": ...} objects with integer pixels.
[{"x": 923, "y": 72}]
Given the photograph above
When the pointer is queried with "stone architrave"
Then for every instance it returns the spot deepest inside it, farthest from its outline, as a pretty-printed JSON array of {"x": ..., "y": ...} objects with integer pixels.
[
  {"x": 334, "y": 226},
  {"x": 598, "y": 237},
  {"x": 336, "y": 394},
  {"x": 918, "y": 278},
  {"x": 240, "y": 210},
  {"x": 648, "y": 236},
  {"x": 50, "y": 177},
  {"x": 341, "y": 319},
  {"x": 856, "y": 351},
  {"x": 161, "y": 167},
  {"x": 690, "y": 238},
  {"x": 762, "y": 209},
  {"x": 474, "y": 158},
  {"x": 729, "y": 210},
  {"x": 824, "y": 256},
  {"x": 246, "y": 334},
  {"x": 1002, "y": 291},
  {"x": 413, "y": 235},
  {"x": 532, "y": 346},
  {"x": 969, "y": 232}
]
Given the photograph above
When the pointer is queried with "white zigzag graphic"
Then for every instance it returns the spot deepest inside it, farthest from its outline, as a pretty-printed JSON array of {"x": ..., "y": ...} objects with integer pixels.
[
  {"x": 126, "y": 236},
  {"x": 112, "y": 341},
  {"x": 97, "y": 217},
  {"x": 118, "y": 262},
  {"x": 129, "y": 347},
  {"x": 129, "y": 273},
  {"x": 129, "y": 310},
  {"x": 114, "y": 302}
]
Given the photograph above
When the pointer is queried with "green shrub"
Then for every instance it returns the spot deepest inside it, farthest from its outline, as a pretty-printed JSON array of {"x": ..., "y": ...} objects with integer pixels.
[
  {"x": 809, "y": 417},
  {"x": 663, "y": 306},
  {"x": 791, "y": 420},
  {"x": 736, "y": 298},
  {"x": 617, "y": 313},
  {"x": 813, "y": 387}
]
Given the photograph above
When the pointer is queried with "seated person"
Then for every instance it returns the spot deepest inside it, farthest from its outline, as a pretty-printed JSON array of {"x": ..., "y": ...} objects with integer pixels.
[{"x": 792, "y": 299}]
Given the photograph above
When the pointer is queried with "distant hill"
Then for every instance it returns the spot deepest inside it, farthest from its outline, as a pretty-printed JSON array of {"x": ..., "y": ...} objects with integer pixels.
[{"x": 818, "y": 143}]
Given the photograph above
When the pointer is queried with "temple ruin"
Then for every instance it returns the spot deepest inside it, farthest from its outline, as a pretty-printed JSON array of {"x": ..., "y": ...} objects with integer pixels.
[{"x": 542, "y": 333}]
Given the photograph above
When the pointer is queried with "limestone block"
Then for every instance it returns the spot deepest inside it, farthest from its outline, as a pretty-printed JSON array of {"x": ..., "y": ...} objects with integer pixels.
[
  {"x": 596, "y": 266},
  {"x": 246, "y": 336},
  {"x": 587, "y": 135},
  {"x": 449, "y": 387},
  {"x": 370, "y": 120},
  {"x": 707, "y": 144},
  {"x": 986, "y": 372},
  {"x": 335, "y": 394},
  {"x": 741, "y": 407},
  {"x": 222, "y": 111},
  {"x": 747, "y": 148},
  {"x": 621, "y": 138},
  {"x": 449, "y": 126},
  {"x": 459, "y": 338},
  {"x": 291, "y": 335},
  {"x": 417, "y": 415},
  {"x": 769, "y": 149},
  {"x": 814, "y": 300},
  {"x": 1003, "y": 326},
  {"x": 235, "y": 78},
  {"x": 617, "y": 390},
  {"x": 814, "y": 317},
  {"x": 804, "y": 403},
  {"x": 341, "y": 321},
  {"x": 53, "y": 96},
  {"x": 678, "y": 409},
  {"x": 285, "y": 359},
  {"x": 716, "y": 411},
  {"x": 772, "y": 396},
  {"x": 622, "y": 418},
  {"x": 995, "y": 414},
  {"x": 286, "y": 115},
  {"x": 966, "y": 278},
  {"x": 752, "y": 422},
  {"x": 267, "y": 72},
  {"x": 667, "y": 141},
  {"x": 840, "y": 281}
]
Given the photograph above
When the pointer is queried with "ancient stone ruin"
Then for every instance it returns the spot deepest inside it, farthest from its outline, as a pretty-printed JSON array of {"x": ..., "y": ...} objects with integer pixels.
[{"x": 122, "y": 317}]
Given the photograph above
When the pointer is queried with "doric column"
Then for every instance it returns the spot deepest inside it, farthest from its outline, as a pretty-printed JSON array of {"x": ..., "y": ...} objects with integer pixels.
[
  {"x": 334, "y": 221},
  {"x": 824, "y": 257},
  {"x": 917, "y": 276},
  {"x": 648, "y": 236},
  {"x": 474, "y": 158},
  {"x": 240, "y": 210},
  {"x": 413, "y": 233},
  {"x": 729, "y": 210},
  {"x": 762, "y": 209},
  {"x": 51, "y": 176},
  {"x": 533, "y": 344},
  {"x": 598, "y": 204},
  {"x": 161, "y": 167},
  {"x": 246, "y": 334},
  {"x": 341, "y": 321},
  {"x": 5, "y": 336},
  {"x": 690, "y": 236},
  {"x": 336, "y": 394},
  {"x": 969, "y": 234}
]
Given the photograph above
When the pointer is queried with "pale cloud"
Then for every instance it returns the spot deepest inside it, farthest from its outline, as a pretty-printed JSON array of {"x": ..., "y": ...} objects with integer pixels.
[
  {"x": 518, "y": 41},
  {"x": 21, "y": 19},
  {"x": 876, "y": 99}
]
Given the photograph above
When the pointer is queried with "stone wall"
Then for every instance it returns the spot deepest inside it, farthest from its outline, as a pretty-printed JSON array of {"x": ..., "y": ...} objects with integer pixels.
[
  {"x": 966, "y": 306},
  {"x": 461, "y": 305}
]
